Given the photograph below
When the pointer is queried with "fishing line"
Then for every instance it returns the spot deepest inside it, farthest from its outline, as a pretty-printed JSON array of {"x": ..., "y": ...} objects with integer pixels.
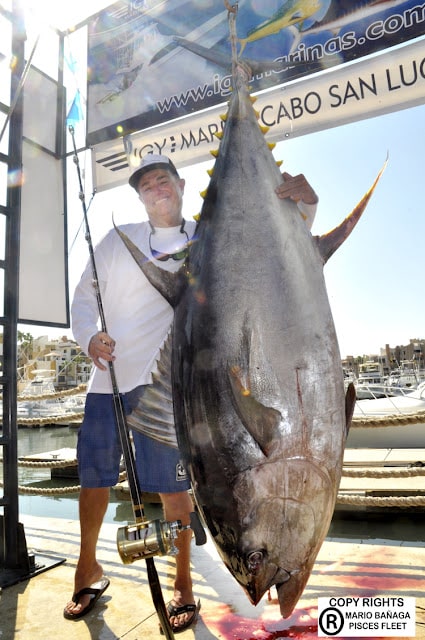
[{"x": 81, "y": 225}]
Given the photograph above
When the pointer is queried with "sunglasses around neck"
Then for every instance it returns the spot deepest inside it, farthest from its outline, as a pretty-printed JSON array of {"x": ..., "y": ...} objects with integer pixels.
[{"x": 181, "y": 254}]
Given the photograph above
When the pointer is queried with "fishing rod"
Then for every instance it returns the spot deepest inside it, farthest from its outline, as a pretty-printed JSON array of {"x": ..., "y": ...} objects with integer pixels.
[{"x": 144, "y": 539}]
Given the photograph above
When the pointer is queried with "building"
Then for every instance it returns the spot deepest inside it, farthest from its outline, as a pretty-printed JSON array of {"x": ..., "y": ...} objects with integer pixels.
[
  {"x": 60, "y": 360},
  {"x": 390, "y": 359}
]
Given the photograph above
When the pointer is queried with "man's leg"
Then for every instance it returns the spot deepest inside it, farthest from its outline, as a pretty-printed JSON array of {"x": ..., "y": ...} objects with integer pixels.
[
  {"x": 178, "y": 506},
  {"x": 93, "y": 504}
]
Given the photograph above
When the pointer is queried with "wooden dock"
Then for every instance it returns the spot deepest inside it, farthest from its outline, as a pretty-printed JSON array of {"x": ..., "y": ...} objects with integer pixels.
[
  {"x": 384, "y": 473},
  {"x": 61, "y": 462}
]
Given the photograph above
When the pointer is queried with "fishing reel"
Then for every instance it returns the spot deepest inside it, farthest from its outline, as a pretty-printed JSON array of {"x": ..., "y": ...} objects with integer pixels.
[
  {"x": 148, "y": 539},
  {"x": 143, "y": 540}
]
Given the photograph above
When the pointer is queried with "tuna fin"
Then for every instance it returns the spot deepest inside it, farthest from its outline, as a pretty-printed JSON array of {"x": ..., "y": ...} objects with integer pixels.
[
  {"x": 331, "y": 241},
  {"x": 154, "y": 415},
  {"x": 170, "y": 285},
  {"x": 260, "y": 421},
  {"x": 350, "y": 401}
]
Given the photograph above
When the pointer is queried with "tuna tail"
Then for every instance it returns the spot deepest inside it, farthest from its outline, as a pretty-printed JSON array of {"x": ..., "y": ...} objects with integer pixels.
[
  {"x": 331, "y": 241},
  {"x": 170, "y": 285}
]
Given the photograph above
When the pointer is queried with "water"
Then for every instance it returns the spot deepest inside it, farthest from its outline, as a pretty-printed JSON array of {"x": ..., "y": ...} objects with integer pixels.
[
  {"x": 40, "y": 440},
  {"x": 368, "y": 525}
]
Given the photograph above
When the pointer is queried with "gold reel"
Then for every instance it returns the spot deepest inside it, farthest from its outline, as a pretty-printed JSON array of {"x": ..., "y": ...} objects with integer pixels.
[{"x": 148, "y": 539}]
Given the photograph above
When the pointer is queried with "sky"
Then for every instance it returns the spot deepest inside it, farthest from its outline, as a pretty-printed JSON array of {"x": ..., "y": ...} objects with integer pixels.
[{"x": 374, "y": 279}]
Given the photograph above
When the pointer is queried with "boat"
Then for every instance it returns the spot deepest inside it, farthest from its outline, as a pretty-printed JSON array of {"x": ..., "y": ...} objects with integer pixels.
[
  {"x": 407, "y": 375},
  {"x": 406, "y": 402},
  {"x": 39, "y": 404},
  {"x": 390, "y": 422},
  {"x": 371, "y": 382}
]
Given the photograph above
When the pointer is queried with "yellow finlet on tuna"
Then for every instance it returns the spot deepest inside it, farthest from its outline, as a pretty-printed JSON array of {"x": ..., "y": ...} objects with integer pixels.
[
  {"x": 218, "y": 134},
  {"x": 214, "y": 152},
  {"x": 203, "y": 193},
  {"x": 264, "y": 129},
  {"x": 271, "y": 145}
]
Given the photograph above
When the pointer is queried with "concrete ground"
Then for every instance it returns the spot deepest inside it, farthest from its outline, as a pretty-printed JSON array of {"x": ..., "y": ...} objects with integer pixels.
[{"x": 32, "y": 609}]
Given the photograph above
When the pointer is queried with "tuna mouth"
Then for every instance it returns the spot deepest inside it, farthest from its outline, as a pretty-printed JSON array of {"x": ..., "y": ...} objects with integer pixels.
[
  {"x": 289, "y": 592},
  {"x": 262, "y": 575}
]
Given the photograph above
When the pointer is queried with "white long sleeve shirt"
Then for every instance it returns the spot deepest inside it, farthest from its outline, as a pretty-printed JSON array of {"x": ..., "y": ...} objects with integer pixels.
[{"x": 137, "y": 316}]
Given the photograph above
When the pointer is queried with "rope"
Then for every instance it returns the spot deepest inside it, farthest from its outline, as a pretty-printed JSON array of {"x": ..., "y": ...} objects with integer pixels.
[
  {"x": 61, "y": 418},
  {"x": 53, "y": 394},
  {"x": 54, "y": 464},
  {"x": 342, "y": 498},
  {"x": 384, "y": 501},
  {"x": 388, "y": 421},
  {"x": 383, "y": 473},
  {"x": 37, "y": 491}
]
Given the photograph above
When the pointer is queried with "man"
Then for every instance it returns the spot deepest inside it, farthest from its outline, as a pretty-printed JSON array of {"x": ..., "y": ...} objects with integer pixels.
[{"x": 138, "y": 320}]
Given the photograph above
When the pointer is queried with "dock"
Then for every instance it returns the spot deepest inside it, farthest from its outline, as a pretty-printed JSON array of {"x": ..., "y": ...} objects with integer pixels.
[
  {"x": 347, "y": 565},
  {"x": 32, "y": 609},
  {"x": 384, "y": 472},
  {"x": 61, "y": 462}
]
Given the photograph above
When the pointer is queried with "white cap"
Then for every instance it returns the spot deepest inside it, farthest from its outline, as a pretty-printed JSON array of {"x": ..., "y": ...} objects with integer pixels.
[{"x": 149, "y": 162}]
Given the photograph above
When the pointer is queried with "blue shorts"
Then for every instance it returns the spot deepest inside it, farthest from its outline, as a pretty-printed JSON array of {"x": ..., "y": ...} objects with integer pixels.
[{"x": 158, "y": 466}]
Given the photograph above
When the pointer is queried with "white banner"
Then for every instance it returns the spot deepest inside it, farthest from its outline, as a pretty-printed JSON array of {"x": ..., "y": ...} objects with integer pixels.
[
  {"x": 366, "y": 617},
  {"x": 381, "y": 84}
]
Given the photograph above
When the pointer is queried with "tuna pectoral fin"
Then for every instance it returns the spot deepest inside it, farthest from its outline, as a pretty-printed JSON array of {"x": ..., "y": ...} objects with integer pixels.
[
  {"x": 261, "y": 422},
  {"x": 331, "y": 241},
  {"x": 350, "y": 401},
  {"x": 170, "y": 285}
]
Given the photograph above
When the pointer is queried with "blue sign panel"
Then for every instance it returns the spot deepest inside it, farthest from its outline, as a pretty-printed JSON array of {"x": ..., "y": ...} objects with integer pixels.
[{"x": 151, "y": 61}]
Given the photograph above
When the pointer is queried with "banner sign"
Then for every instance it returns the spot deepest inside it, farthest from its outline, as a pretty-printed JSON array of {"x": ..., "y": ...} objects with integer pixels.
[
  {"x": 152, "y": 61},
  {"x": 371, "y": 87}
]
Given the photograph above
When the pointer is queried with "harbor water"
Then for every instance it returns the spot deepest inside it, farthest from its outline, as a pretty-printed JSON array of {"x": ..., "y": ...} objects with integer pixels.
[
  {"x": 60, "y": 505},
  {"x": 384, "y": 524}
]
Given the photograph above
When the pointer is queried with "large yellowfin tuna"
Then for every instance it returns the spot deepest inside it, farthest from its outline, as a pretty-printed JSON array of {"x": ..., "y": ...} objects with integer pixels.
[{"x": 260, "y": 408}]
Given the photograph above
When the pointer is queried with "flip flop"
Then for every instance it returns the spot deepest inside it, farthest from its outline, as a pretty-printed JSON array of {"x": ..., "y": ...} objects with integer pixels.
[
  {"x": 172, "y": 610},
  {"x": 95, "y": 590}
]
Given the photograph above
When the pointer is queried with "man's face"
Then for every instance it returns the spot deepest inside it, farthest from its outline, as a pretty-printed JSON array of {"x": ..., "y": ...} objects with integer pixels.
[{"x": 161, "y": 193}]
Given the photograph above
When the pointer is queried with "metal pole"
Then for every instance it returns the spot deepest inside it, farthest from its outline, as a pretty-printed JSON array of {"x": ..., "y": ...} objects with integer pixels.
[
  {"x": 15, "y": 554},
  {"x": 15, "y": 562}
]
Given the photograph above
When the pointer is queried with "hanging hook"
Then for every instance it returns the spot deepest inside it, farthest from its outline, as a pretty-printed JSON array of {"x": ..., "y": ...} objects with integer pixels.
[
  {"x": 230, "y": 8},
  {"x": 231, "y": 16}
]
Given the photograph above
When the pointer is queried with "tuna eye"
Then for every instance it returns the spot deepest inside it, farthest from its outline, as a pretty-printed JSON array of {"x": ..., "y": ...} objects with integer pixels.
[{"x": 255, "y": 559}]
